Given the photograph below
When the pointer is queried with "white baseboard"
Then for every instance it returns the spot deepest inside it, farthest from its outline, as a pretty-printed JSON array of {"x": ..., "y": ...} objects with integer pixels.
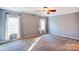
[
  {"x": 67, "y": 36},
  {"x": 6, "y": 41},
  {"x": 27, "y": 36}
]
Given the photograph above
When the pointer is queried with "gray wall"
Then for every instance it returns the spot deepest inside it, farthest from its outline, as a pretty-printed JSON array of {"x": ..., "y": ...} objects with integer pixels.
[
  {"x": 29, "y": 23},
  {"x": 3, "y": 22},
  {"x": 1, "y": 29},
  {"x": 66, "y": 25}
]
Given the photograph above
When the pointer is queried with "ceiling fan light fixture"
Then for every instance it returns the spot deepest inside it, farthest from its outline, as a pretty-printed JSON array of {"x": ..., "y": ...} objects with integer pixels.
[{"x": 45, "y": 10}]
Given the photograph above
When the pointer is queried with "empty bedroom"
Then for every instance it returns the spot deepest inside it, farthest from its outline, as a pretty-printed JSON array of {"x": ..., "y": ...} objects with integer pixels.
[{"x": 39, "y": 28}]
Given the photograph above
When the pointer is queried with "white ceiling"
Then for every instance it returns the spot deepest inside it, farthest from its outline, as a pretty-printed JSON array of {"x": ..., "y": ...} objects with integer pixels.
[{"x": 34, "y": 10}]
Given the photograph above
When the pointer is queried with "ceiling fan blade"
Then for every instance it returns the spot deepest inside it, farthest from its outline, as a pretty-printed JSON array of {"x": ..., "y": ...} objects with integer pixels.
[
  {"x": 46, "y": 10},
  {"x": 52, "y": 10}
]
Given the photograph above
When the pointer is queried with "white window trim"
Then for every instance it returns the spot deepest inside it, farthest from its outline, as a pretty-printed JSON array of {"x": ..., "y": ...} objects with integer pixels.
[
  {"x": 44, "y": 30},
  {"x": 6, "y": 30}
]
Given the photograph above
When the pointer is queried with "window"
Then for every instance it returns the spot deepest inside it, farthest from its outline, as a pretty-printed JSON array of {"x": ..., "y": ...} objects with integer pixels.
[
  {"x": 42, "y": 26},
  {"x": 12, "y": 27}
]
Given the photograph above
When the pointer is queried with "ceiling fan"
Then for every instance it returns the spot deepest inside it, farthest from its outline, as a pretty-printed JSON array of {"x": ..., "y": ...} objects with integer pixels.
[{"x": 47, "y": 10}]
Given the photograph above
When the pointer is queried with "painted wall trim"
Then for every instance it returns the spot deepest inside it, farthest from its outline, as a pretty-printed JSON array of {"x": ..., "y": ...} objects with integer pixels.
[
  {"x": 67, "y": 36},
  {"x": 28, "y": 36}
]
